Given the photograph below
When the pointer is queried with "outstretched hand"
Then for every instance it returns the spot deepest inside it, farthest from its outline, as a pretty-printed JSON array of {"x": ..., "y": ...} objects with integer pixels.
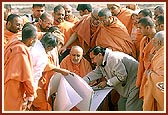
[
  {"x": 62, "y": 50},
  {"x": 102, "y": 84},
  {"x": 65, "y": 72}
]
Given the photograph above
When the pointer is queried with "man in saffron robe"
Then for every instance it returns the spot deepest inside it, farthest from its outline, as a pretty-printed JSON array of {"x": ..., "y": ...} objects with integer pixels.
[
  {"x": 113, "y": 34},
  {"x": 154, "y": 87},
  {"x": 84, "y": 9},
  {"x": 68, "y": 14},
  {"x": 158, "y": 10},
  {"x": 147, "y": 28},
  {"x": 84, "y": 31},
  {"x": 12, "y": 28},
  {"x": 64, "y": 26},
  {"x": 18, "y": 74},
  {"x": 142, "y": 13},
  {"x": 75, "y": 62},
  {"x": 123, "y": 14}
]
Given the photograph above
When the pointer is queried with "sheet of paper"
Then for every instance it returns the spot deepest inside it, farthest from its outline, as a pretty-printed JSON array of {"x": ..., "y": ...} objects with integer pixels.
[
  {"x": 98, "y": 97},
  {"x": 83, "y": 89},
  {"x": 67, "y": 86},
  {"x": 66, "y": 97},
  {"x": 54, "y": 83}
]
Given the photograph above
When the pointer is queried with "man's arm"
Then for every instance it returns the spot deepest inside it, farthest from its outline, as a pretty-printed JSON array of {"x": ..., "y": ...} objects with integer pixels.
[
  {"x": 119, "y": 74},
  {"x": 69, "y": 42},
  {"x": 93, "y": 75}
]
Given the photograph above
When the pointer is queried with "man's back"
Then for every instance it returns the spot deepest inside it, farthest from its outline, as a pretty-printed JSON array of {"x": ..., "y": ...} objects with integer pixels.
[
  {"x": 125, "y": 17},
  {"x": 16, "y": 53},
  {"x": 118, "y": 62}
]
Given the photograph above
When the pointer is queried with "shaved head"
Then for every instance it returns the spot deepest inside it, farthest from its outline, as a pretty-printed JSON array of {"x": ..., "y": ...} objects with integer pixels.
[
  {"x": 76, "y": 54},
  {"x": 76, "y": 48},
  {"x": 159, "y": 40},
  {"x": 67, "y": 6}
]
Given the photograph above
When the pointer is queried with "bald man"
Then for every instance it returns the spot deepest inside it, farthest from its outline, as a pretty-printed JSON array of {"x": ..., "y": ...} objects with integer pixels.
[
  {"x": 75, "y": 62},
  {"x": 154, "y": 87}
]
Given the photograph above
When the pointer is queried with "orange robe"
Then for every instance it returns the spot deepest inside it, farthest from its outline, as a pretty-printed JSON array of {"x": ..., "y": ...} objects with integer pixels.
[
  {"x": 80, "y": 69},
  {"x": 85, "y": 32},
  {"x": 136, "y": 37},
  {"x": 17, "y": 75},
  {"x": 9, "y": 35},
  {"x": 153, "y": 96},
  {"x": 139, "y": 37},
  {"x": 125, "y": 17},
  {"x": 115, "y": 37},
  {"x": 66, "y": 28},
  {"x": 146, "y": 48},
  {"x": 41, "y": 103}
]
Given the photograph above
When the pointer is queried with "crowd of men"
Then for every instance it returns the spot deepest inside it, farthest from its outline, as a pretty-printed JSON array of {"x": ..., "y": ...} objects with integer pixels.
[{"x": 114, "y": 46}]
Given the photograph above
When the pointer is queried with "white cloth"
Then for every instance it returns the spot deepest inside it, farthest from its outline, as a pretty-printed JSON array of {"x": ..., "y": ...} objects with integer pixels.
[
  {"x": 39, "y": 59},
  {"x": 70, "y": 91},
  {"x": 29, "y": 17}
]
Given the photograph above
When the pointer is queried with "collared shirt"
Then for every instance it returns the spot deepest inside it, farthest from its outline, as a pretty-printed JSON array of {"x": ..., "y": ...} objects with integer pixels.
[{"x": 30, "y": 18}]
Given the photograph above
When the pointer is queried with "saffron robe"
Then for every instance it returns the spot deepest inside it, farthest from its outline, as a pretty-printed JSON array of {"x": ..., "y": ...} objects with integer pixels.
[
  {"x": 146, "y": 48},
  {"x": 17, "y": 75},
  {"x": 9, "y": 35},
  {"x": 66, "y": 28},
  {"x": 153, "y": 96},
  {"x": 41, "y": 103},
  {"x": 125, "y": 17},
  {"x": 80, "y": 69},
  {"x": 116, "y": 37},
  {"x": 85, "y": 32}
]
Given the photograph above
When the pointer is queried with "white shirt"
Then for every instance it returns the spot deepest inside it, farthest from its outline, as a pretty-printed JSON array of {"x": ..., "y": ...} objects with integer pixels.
[{"x": 39, "y": 59}]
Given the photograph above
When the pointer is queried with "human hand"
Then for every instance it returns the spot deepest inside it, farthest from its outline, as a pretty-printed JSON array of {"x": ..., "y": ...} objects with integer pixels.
[
  {"x": 62, "y": 50},
  {"x": 102, "y": 84},
  {"x": 26, "y": 105},
  {"x": 29, "y": 104},
  {"x": 65, "y": 72},
  {"x": 41, "y": 82}
]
